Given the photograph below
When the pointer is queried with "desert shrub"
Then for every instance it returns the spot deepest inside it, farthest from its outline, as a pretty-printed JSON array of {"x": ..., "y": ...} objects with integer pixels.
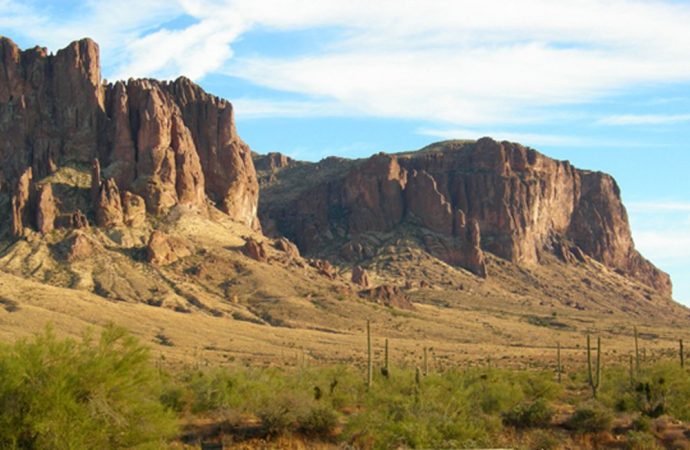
[
  {"x": 590, "y": 418},
  {"x": 642, "y": 423},
  {"x": 211, "y": 390},
  {"x": 319, "y": 421},
  {"x": 661, "y": 388},
  {"x": 62, "y": 393},
  {"x": 531, "y": 414},
  {"x": 544, "y": 440},
  {"x": 279, "y": 416},
  {"x": 637, "y": 440}
]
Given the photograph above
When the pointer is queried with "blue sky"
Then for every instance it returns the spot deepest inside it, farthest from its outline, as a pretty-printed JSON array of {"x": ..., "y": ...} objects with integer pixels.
[{"x": 603, "y": 84}]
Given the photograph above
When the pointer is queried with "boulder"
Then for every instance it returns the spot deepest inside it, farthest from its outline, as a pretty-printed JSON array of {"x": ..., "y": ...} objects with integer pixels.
[
  {"x": 255, "y": 249},
  {"x": 109, "y": 206},
  {"x": 387, "y": 295},
  {"x": 45, "y": 209},
  {"x": 360, "y": 277},
  {"x": 163, "y": 249},
  {"x": 134, "y": 209},
  {"x": 287, "y": 247}
]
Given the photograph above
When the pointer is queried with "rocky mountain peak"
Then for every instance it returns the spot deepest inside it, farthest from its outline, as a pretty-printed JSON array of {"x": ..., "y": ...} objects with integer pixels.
[
  {"x": 168, "y": 142},
  {"x": 460, "y": 200}
]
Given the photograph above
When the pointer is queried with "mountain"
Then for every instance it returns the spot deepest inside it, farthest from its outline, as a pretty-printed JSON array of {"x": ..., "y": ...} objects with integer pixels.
[
  {"x": 137, "y": 202},
  {"x": 459, "y": 199}
]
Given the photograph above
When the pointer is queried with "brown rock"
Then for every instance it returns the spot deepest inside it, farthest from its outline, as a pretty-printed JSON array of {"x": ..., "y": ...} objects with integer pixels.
[
  {"x": 45, "y": 209},
  {"x": 96, "y": 181},
  {"x": 163, "y": 249},
  {"x": 284, "y": 245},
  {"x": 360, "y": 277},
  {"x": 272, "y": 162},
  {"x": 21, "y": 202},
  {"x": 78, "y": 220},
  {"x": 324, "y": 267},
  {"x": 109, "y": 207},
  {"x": 79, "y": 247},
  {"x": 518, "y": 198},
  {"x": 170, "y": 143},
  {"x": 391, "y": 296},
  {"x": 255, "y": 250},
  {"x": 134, "y": 209},
  {"x": 424, "y": 201}
]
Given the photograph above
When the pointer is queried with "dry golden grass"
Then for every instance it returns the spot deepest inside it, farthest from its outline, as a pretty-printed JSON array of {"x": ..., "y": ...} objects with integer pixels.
[{"x": 217, "y": 305}]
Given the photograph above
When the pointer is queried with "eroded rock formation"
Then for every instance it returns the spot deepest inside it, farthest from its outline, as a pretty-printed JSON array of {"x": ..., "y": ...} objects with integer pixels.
[
  {"x": 255, "y": 250},
  {"x": 167, "y": 142},
  {"x": 163, "y": 249},
  {"x": 471, "y": 198}
]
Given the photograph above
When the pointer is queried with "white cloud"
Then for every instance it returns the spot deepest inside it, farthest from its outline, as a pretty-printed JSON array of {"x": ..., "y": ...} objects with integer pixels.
[
  {"x": 661, "y": 206},
  {"x": 463, "y": 62},
  {"x": 664, "y": 246},
  {"x": 645, "y": 119},
  {"x": 251, "y": 108},
  {"x": 469, "y": 62}
]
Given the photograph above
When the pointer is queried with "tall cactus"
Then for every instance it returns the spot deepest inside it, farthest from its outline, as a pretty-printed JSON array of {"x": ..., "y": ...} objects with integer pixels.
[
  {"x": 594, "y": 378},
  {"x": 426, "y": 362},
  {"x": 637, "y": 354},
  {"x": 385, "y": 370},
  {"x": 370, "y": 373},
  {"x": 559, "y": 367},
  {"x": 682, "y": 354}
]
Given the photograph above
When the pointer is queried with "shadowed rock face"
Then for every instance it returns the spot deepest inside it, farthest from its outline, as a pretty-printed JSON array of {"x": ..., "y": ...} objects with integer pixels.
[
  {"x": 168, "y": 142},
  {"x": 488, "y": 196}
]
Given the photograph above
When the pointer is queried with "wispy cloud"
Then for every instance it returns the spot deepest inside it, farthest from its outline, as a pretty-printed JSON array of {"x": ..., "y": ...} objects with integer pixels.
[
  {"x": 661, "y": 206},
  {"x": 464, "y": 62},
  {"x": 254, "y": 108},
  {"x": 645, "y": 119}
]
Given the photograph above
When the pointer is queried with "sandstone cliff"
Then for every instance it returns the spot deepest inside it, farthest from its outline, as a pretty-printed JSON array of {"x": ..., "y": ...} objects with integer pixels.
[
  {"x": 467, "y": 198},
  {"x": 168, "y": 142}
]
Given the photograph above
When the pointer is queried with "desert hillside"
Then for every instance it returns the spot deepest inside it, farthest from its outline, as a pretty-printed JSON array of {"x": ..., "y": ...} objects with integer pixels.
[{"x": 137, "y": 202}]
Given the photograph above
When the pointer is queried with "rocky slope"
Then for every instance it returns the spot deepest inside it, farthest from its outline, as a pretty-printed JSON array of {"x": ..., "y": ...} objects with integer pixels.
[
  {"x": 151, "y": 143},
  {"x": 137, "y": 202},
  {"x": 460, "y": 199}
]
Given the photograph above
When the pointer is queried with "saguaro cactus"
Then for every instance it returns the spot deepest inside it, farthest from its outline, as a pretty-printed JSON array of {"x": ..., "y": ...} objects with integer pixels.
[
  {"x": 594, "y": 378},
  {"x": 682, "y": 354},
  {"x": 426, "y": 362},
  {"x": 370, "y": 373},
  {"x": 385, "y": 370},
  {"x": 559, "y": 368},
  {"x": 637, "y": 353}
]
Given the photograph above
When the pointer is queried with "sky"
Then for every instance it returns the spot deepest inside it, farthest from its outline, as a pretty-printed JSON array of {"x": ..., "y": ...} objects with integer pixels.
[{"x": 604, "y": 84}]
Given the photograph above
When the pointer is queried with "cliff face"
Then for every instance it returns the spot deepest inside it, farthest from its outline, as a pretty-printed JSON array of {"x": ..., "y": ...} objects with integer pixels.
[
  {"x": 487, "y": 196},
  {"x": 168, "y": 142}
]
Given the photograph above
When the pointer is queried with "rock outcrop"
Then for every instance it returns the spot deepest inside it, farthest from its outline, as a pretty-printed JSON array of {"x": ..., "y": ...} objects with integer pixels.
[
  {"x": 386, "y": 295},
  {"x": 45, "y": 209},
  {"x": 273, "y": 161},
  {"x": 255, "y": 250},
  {"x": 21, "y": 202},
  {"x": 167, "y": 142},
  {"x": 287, "y": 247},
  {"x": 163, "y": 249},
  {"x": 109, "y": 205},
  {"x": 467, "y": 198},
  {"x": 360, "y": 277}
]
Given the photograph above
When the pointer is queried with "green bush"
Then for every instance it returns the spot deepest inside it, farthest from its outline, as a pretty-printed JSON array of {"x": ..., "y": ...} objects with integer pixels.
[
  {"x": 532, "y": 414},
  {"x": 319, "y": 421},
  {"x": 66, "y": 394},
  {"x": 278, "y": 417},
  {"x": 637, "y": 440},
  {"x": 590, "y": 418}
]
